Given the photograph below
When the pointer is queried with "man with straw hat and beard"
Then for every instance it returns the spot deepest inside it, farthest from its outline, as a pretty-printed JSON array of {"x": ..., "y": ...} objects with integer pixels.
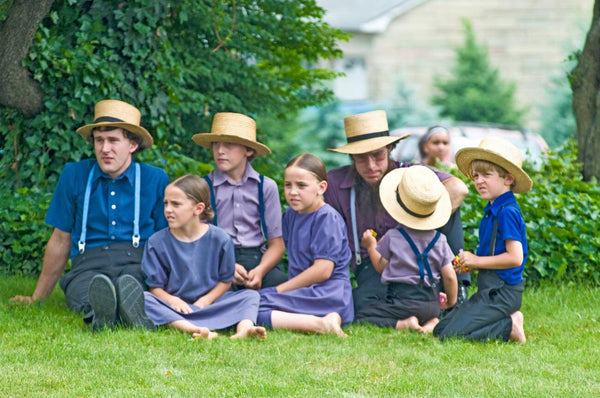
[
  {"x": 246, "y": 203},
  {"x": 354, "y": 193},
  {"x": 103, "y": 211}
]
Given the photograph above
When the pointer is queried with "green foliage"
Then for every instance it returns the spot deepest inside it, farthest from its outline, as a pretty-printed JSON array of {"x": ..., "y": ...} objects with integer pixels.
[
  {"x": 179, "y": 62},
  {"x": 24, "y": 233},
  {"x": 558, "y": 120},
  {"x": 475, "y": 92},
  {"x": 561, "y": 213}
]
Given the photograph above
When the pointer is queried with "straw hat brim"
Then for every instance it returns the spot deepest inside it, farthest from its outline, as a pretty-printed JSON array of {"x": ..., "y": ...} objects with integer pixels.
[
  {"x": 368, "y": 145},
  {"x": 206, "y": 140},
  {"x": 387, "y": 194},
  {"x": 464, "y": 157},
  {"x": 147, "y": 140}
]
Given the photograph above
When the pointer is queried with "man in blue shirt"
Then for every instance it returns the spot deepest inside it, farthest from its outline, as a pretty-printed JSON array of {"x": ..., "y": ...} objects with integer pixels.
[{"x": 103, "y": 211}]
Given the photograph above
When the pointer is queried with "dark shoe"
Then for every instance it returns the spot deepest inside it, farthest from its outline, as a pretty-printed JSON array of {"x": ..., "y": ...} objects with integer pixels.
[
  {"x": 131, "y": 303},
  {"x": 103, "y": 299},
  {"x": 463, "y": 294}
]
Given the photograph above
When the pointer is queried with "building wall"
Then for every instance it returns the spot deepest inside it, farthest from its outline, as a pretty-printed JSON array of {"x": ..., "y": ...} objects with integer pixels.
[{"x": 527, "y": 40}]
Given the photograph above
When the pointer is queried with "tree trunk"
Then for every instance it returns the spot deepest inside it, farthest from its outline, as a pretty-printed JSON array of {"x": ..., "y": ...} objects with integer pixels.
[
  {"x": 585, "y": 82},
  {"x": 18, "y": 90}
]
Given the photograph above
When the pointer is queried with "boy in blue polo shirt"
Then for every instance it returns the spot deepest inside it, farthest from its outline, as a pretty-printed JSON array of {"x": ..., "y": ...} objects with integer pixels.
[{"x": 493, "y": 312}]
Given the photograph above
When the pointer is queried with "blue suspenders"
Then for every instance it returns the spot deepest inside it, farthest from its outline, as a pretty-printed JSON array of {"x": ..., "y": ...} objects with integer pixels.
[
  {"x": 357, "y": 257},
  {"x": 261, "y": 203},
  {"x": 135, "y": 238},
  {"x": 422, "y": 257}
]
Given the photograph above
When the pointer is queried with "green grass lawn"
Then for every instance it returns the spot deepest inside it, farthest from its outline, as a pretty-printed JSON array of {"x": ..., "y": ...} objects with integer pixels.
[{"x": 49, "y": 352}]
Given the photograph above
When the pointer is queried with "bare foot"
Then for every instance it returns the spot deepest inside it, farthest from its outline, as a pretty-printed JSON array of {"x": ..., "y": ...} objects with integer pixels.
[
  {"x": 204, "y": 333},
  {"x": 247, "y": 328},
  {"x": 517, "y": 332},
  {"x": 332, "y": 323},
  {"x": 429, "y": 326},
  {"x": 409, "y": 323}
]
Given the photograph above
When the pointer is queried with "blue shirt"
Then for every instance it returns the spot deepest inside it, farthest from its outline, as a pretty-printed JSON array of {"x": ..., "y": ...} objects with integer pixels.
[
  {"x": 111, "y": 208},
  {"x": 510, "y": 226}
]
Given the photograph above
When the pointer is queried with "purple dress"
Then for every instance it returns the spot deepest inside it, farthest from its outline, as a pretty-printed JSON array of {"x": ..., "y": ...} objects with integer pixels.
[
  {"x": 189, "y": 270},
  {"x": 307, "y": 237}
]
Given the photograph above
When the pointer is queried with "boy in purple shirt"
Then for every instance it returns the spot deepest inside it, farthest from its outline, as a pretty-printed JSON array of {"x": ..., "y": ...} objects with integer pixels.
[
  {"x": 413, "y": 258},
  {"x": 246, "y": 203}
]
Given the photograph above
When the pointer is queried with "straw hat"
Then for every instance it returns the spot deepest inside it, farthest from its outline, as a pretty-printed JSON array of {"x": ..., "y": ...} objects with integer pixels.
[
  {"x": 366, "y": 132},
  {"x": 415, "y": 197},
  {"x": 120, "y": 114},
  {"x": 500, "y": 152},
  {"x": 234, "y": 128}
]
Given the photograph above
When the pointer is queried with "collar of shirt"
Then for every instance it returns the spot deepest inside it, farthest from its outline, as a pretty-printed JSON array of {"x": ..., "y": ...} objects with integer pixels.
[
  {"x": 505, "y": 198},
  {"x": 129, "y": 174},
  {"x": 219, "y": 177}
]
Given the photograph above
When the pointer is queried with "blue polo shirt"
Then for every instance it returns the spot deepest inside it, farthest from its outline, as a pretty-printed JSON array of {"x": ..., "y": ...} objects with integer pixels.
[
  {"x": 510, "y": 226},
  {"x": 111, "y": 207}
]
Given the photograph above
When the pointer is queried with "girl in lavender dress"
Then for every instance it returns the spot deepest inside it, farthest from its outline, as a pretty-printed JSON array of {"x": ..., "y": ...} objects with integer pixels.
[
  {"x": 189, "y": 269},
  {"x": 317, "y": 297}
]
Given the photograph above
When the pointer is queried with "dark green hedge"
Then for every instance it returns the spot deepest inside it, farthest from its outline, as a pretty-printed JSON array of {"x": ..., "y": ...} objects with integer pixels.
[{"x": 562, "y": 215}]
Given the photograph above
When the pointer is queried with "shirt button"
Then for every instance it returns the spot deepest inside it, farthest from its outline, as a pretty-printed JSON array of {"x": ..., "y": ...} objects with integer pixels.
[
  {"x": 113, "y": 207},
  {"x": 114, "y": 223},
  {"x": 112, "y": 193},
  {"x": 113, "y": 237}
]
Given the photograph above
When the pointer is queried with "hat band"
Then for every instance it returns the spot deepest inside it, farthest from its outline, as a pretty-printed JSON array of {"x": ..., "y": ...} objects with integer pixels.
[
  {"x": 368, "y": 136},
  {"x": 409, "y": 211},
  {"x": 108, "y": 119}
]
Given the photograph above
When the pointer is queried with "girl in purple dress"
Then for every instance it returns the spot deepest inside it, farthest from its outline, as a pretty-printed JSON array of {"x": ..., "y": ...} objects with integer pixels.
[
  {"x": 317, "y": 297},
  {"x": 189, "y": 269}
]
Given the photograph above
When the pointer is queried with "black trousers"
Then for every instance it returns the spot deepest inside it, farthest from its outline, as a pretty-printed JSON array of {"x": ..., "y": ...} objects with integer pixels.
[
  {"x": 250, "y": 258},
  {"x": 111, "y": 260},
  {"x": 486, "y": 315},
  {"x": 402, "y": 301}
]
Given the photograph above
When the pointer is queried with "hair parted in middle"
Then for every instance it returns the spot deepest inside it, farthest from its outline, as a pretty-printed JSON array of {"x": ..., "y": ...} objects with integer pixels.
[{"x": 310, "y": 163}]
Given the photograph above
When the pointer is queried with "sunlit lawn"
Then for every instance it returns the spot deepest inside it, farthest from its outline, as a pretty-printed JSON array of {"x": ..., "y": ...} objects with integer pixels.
[{"x": 49, "y": 352}]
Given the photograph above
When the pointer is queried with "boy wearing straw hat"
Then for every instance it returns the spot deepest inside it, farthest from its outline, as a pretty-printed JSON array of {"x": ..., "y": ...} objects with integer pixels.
[
  {"x": 416, "y": 198},
  {"x": 493, "y": 312},
  {"x": 354, "y": 193},
  {"x": 246, "y": 203},
  {"x": 101, "y": 222}
]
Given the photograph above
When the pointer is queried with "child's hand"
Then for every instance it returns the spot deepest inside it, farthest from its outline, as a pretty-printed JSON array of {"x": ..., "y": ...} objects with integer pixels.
[
  {"x": 368, "y": 239},
  {"x": 458, "y": 266},
  {"x": 180, "y": 306},
  {"x": 240, "y": 277},
  {"x": 443, "y": 301},
  {"x": 255, "y": 277},
  {"x": 467, "y": 260},
  {"x": 203, "y": 302}
]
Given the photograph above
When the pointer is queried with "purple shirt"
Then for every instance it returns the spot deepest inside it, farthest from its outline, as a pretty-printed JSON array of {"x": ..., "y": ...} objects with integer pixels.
[
  {"x": 403, "y": 267},
  {"x": 188, "y": 270},
  {"x": 340, "y": 181},
  {"x": 237, "y": 207}
]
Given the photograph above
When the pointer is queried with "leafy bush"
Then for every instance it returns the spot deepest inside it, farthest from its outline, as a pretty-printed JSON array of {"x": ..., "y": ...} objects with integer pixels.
[{"x": 561, "y": 213}]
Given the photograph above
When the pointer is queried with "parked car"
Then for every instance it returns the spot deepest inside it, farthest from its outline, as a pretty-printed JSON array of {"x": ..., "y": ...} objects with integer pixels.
[{"x": 465, "y": 134}]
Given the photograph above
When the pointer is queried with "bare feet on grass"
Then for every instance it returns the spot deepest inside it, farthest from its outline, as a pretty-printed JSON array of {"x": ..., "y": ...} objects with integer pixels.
[
  {"x": 332, "y": 324},
  {"x": 517, "y": 332},
  {"x": 247, "y": 328},
  {"x": 204, "y": 333},
  {"x": 429, "y": 326},
  {"x": 409, "y": 323}
]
